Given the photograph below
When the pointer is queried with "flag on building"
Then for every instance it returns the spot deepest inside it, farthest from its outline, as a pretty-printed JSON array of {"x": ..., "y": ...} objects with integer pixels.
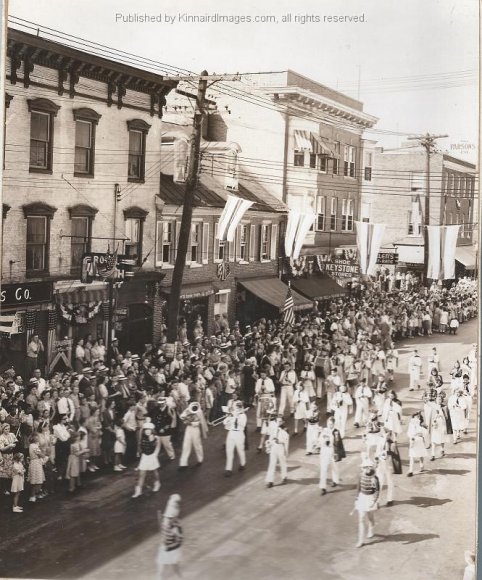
[
  {"x": 442, "y": 243},
  {"x": 368, "y": 239},
  {"x": 288, "y": 312},
  {"x": 297, "y": 227},
  {"x": 233, "y": 213}
]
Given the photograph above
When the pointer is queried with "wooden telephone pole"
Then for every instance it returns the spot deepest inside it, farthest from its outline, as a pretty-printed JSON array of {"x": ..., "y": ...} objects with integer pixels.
[
  {"x": 190, "y": 187},
  {"x": 428, "y": 143}
]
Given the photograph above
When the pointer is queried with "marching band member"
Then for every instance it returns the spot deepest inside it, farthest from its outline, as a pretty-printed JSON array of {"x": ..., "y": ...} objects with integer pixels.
[
  {"x": 414, "y": 370},
  {"x": 313, "y": 429},
  {"x": 391, "y": 361},
  {"x": 287, "y": 381},
  {"x": 165, "y": 422},
  {"x": 341, "y": 406},
  {"x": 367, "y": 501},
  {"x": 388, "y": 462},
  {"x": 308, "y": 377},
  {"x": 332, "y": 452},
  {"x": 363, "y": 395},
  {"x": 235, "y": 424},
  {"x": 301, "y": 401},
  {"x": 372, "y": 432},
  {"x": 457, "y": 407},
  {"x": 392, "y": 415},
  {"x": 264, "y": 389},
  {"x": 150, "y": 447},
  {"x": 380, "y": 390},
  {"x": 438, "y": 427},
  {"x": 195, "y": 423},
  {"x": 433, "y": 361},
  {"x": 333, "y": 381},
  {"x": 416, "y": 432},
  {"x": 277, "y": 448},
  {"x": 171, "y": 536},
  {"x": 267, "y": 404}
]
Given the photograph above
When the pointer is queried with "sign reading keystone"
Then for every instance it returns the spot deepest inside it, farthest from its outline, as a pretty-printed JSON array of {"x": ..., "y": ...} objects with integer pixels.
[{"x": 338, "y": 267}]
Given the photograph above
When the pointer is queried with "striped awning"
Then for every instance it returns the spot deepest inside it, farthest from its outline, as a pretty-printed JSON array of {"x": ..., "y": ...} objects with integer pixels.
[
  {"x": 78, "y": 293},
  {"x": 274, "y": 291},
  {"x": 303, "y": 141},
  {"x": 321, "y": 146}
]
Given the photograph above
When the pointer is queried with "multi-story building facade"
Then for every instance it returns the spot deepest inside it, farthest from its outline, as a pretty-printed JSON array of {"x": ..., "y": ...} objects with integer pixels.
[
  {"x": 304, "y": 141},
  {"x": 393, "y": 192},
  {"x": 238, "y": 279},
  {"x": 81, "y": 174}
]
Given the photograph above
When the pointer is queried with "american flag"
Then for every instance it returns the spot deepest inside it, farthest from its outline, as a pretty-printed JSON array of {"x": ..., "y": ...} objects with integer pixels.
[{"x": 287, "y": 312}]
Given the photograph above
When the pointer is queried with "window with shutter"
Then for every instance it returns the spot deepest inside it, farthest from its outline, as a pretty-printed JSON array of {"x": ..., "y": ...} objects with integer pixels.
[
  {"x": 274, "y": 242},
  {"x": 205, "y": 244},
  {"x": 219, "y": 246},
  {"x": 252, "y": 243}
]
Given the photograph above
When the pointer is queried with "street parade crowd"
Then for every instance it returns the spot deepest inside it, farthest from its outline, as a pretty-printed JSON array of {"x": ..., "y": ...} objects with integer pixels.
[{"x": 115, "y": 411}]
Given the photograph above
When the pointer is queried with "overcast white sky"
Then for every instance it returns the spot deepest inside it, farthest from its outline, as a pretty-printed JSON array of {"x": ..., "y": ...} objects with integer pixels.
[{"x": 400, "y": 39}]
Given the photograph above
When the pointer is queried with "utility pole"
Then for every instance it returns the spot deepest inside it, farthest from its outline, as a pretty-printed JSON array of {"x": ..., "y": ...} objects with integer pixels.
[
  {"x": 428, "y": 143},
  {"x": 190, "y": 187}
]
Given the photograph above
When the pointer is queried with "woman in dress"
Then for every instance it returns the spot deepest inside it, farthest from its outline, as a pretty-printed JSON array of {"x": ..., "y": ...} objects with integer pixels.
[
  {"x": 8, "y": 442},
  {"x": 308, "y": 377},
  {"x": 74, "y": 462},
  {"x": 18, "y": 477},
  {"x": 94, "y": 434},
  {"x": 47, "y": 445},
  {"x": 391, "y": 360},
  {"x": 367, "y": 501},
  {"x": 149, "y": 463},
  {"x": 438, "y": 427},
  {"x": 392, "y": 414},
  {"x": 36, "y": 475},
  {"x": 171, "y": 537},
  {"x": 417, "y": 432},
  {"x": 301, "y": 402},
  {"x": 456, "y": 377}
]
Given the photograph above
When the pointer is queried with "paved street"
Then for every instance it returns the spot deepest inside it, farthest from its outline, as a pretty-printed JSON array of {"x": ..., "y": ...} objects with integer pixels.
[{"x": 237, "y": 528}]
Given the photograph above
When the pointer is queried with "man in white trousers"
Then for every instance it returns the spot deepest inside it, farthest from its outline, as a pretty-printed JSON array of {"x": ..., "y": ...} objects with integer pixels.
[
  {"x": 384, "y": 470},
  {"x": 327, "y": 459},
  {"x": 264, "y": 394},
  {"x": 287, "y": 381},
  {"x": 414, "y": 370},
  {"x": 235, "y": 425},
  {"x": 196, "y": 427},
  {"x": 277, "y": 448},
  {"x": 363, "y": 396}
]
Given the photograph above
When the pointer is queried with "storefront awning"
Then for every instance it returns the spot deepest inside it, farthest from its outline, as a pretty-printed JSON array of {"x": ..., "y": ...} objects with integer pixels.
[
  {"x": 466, "y": 256},
  {"x": 274, "y": 291},
  {"x": 302, "y": 141},
  {"x": 322, "y": 147},
  {"x": 318, "y": 287},
  {"x": 193, "y": 291},
  {"x": 410, "y": 254},
  {"x": 79, "y": 293}
]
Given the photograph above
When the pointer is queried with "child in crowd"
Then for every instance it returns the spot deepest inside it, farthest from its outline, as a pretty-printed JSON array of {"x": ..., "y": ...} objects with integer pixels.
[{"x": 18, "y": 477}]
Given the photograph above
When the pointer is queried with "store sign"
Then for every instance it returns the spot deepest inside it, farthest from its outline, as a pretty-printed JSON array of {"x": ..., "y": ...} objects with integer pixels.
[
  {"x": 200, "y": 294},
  {"x": 102, "y": 266},
  {"x": 387, "y": 258},
  {"x": 25, "y": 294},
  {"x": 338, "y": 267}
]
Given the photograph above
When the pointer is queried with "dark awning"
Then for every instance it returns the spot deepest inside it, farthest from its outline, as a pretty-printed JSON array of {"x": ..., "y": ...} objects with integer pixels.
[
  {"x": 74, "y": 292},
  {"x": 274, "y": 291},
  {"x": 318, "y": 287}
]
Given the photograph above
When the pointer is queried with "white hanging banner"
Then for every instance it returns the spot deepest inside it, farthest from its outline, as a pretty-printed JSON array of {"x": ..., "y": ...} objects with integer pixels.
[
  {"x": 233, "y": 213},
  {"x": 298, "y": 226},
  {"x": 442, "y": 244},
  {"x": 369, "y": 240}
]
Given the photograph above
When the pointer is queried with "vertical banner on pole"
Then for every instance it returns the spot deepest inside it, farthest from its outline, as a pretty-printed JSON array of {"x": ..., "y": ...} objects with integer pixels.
[
  {"x": 442, "y": 244},
  {"x": 369, "y": 240}
]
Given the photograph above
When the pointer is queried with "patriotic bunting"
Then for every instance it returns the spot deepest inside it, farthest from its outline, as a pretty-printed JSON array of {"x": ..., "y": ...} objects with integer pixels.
[
  {"x": 10, "y": 323},
  {"x": 298, "y": 226},
  {"x": 233, "y": 213},
  {"x": 368, "y": 239},
  {"x": 442, "y": 243}
]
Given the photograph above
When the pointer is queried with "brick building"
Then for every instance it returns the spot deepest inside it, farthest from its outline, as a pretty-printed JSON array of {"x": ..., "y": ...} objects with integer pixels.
[
  {"x": 81, "y": 168},
  {"x": 393, "y": 192},
  {"x": 239, "y": 278}
]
